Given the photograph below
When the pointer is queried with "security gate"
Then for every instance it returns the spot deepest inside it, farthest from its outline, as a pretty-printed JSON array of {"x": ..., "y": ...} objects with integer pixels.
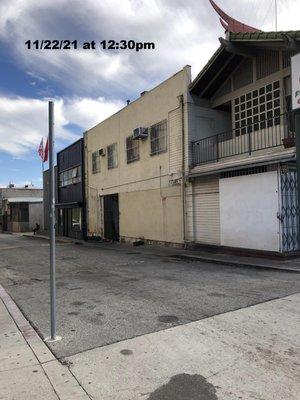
[{"x": 289, "y": 209}]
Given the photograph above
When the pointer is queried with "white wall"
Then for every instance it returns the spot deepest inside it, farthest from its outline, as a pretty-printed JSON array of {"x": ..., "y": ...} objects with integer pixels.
[
  {"x": 36, "y": 214},
  {"x": 205, "y": 122},
  {"x": 248, "y": 211}
]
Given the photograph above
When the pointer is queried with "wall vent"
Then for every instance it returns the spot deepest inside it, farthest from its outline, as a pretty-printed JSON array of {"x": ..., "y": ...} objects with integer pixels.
[
  {"x": 246, "y": 171},
  {"x": 267, "y": 62}
]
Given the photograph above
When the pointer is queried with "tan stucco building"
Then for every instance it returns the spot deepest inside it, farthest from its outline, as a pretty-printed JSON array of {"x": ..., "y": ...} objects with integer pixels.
[
  {"x": 215, "y": 161},
  {"x": 133, "y": 186}
]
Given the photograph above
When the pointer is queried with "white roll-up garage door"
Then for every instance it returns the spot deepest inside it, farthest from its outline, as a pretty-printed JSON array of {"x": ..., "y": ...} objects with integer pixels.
[{"x": 203, "y": 211}]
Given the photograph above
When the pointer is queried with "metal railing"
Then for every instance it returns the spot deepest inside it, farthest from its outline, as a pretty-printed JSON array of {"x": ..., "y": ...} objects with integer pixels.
[{"x": 260, "y": 135}]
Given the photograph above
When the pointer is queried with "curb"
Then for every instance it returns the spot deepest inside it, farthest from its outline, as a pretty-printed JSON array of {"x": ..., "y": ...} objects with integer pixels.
[
  {"x": 194, "y": 258},
  {"x": 233, "y": 263},
  {"x": 64, "y": 384},
  {"x": 39, "y": 348},
  {"x": 47, "y": 238}
]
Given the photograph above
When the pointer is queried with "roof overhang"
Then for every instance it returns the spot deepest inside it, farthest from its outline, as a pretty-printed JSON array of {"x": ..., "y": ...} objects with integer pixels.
[
  {"x": 235, "y": 48},
  {"x": 242, "y": 163}
]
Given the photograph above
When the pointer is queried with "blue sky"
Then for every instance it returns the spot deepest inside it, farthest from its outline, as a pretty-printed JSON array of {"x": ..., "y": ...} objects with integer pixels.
[{"x": 88, "y": 86}]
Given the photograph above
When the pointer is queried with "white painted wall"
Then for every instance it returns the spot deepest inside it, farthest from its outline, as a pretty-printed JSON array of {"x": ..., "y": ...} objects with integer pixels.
[
  {"x": 36, "y": 215},
  {"x": 248, "y": 211}
]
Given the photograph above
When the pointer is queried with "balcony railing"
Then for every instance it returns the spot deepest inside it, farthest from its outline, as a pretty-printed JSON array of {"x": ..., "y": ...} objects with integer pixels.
[{"x": 260, "y": 135}]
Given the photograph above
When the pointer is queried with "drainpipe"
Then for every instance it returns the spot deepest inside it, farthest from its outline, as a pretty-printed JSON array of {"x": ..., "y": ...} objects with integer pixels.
[
  {"x": 297, "y": 140},
  {"x": 86, "y": 182},
  {"x": 183, "y": 178}
]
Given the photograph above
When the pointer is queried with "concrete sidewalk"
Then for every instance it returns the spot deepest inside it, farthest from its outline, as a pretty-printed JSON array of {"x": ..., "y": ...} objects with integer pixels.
[
  {"x": 251, "y": 353},
  {"x": 28, "y": 370},
  {"x": 223, "y": 258}
]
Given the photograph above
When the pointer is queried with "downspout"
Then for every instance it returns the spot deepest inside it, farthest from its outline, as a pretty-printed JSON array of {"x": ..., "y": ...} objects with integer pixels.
[
  {"x": 86, "y": 183},
  {"x": 83, "y": 192},
  {"x": 183, "y": 178}
]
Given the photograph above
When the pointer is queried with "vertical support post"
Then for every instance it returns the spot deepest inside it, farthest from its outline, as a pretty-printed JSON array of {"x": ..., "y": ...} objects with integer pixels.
[
  {"x": 183, "y": 177},
  {"x": 52, "y": 222},
  {"x": 297, "y": 141},
  {"x": 249, "y": 142}
]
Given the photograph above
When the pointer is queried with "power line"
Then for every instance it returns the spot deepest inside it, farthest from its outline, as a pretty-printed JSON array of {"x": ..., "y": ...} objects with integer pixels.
[
  {"x": 276, "y": 12},
  {"x": 268, "y": 12}
]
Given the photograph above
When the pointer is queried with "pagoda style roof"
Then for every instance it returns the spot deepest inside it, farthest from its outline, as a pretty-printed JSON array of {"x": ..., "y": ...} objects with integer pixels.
[
  {"x": 233, "y": 50},
  {"x": 230, "y": 24}
]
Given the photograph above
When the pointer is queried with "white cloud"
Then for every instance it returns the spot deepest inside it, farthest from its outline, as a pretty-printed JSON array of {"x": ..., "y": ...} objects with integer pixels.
[
  {"x": 24, "y": 121},
  {"x": 175, "y": 27},
  {"x": 184, "y": 31}
]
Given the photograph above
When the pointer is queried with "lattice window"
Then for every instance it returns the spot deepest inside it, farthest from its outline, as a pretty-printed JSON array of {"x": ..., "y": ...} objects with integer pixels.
[{"x": 257, "y": 109}]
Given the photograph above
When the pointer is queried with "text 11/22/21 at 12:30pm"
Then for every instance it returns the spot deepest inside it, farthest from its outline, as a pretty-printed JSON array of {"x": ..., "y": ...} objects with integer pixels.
[{"x": 89, "y": 45}]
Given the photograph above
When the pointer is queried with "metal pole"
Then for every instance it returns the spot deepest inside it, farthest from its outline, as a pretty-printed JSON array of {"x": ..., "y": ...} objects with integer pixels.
[{"x": 52, "y": 222}]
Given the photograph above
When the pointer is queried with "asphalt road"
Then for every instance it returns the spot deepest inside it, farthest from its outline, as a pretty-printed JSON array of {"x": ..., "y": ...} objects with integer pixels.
[{"x": 109, "y": 293}]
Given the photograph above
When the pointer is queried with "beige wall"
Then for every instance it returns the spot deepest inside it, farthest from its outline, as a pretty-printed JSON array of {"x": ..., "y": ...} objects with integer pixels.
[
  {"x": 152, "y": 215},
  {"x": 149, "y": 201}
]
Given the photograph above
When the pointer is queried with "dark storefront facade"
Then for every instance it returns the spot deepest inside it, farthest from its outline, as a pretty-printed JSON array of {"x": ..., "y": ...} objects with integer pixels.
[{"x": 70, "y": 205}]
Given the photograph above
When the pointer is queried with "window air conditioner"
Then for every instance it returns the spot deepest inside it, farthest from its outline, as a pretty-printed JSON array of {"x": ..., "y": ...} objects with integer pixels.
[{"x": 140, "y": 133}]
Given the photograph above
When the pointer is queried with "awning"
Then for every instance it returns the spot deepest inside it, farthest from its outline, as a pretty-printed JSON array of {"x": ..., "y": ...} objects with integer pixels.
[
  {"x": 241, "y": 163},
  {"x": 68, "y": 205},
  {"x": 24, "y": 199}
]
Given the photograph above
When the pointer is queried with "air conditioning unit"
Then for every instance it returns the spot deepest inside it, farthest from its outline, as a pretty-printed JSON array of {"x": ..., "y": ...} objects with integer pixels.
[
  {"x": 140, "y": 133},
  {"x": 102, "y": 152}
]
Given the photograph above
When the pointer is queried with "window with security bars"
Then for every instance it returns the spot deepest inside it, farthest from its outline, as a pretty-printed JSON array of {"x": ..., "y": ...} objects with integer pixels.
[
  {"x": 95, "y": 162},
  {"x": 112, "y": 156},
  {"x": 158, "y": 138},
  {"x": 258, "y": 109},
  {"x": 132, "y": 150}
]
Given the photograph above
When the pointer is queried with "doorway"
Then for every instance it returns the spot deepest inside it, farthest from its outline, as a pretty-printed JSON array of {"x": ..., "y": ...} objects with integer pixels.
[{"x": 111, "y": 217}]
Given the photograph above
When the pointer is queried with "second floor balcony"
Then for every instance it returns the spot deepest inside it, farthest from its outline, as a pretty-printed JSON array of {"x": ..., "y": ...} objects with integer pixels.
[{"x": 259, "y": 137}]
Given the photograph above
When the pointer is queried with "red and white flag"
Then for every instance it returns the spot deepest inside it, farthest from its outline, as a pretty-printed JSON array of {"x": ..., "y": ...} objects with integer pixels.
[
  {"x": 41, "y": 149},
  {"x": 46, "y": 152}
]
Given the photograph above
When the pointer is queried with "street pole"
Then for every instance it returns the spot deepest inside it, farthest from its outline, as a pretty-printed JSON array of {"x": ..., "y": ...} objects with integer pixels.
[{"x": 53, "y": 336}]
